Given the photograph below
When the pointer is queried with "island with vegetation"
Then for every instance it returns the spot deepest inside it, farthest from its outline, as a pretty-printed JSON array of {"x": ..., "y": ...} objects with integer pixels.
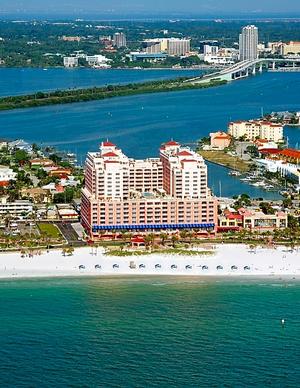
[{"x": 99, "y": 93}]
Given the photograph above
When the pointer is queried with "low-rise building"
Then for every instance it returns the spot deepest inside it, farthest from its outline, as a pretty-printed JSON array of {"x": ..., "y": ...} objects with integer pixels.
[
  {"x": 251, "y": 219},
  {"x": 60, "y": 172},
  {"x": 219, "y": 140},
  {"x": 15, "y": 208},
  {"x": 71, "y": 38},
  {"x": 6, "y": 175},
  {"x": 256, "y": 129},
  {"x": 136, "y": 56},
  {"x": 41, "y": 162},
  {"x": 220, "y": 56},
  {"x": 67, "y": 212},
  {"x": 20, "y": 144},
  {"x": 98, "y": 61},
  {"x": 70, "y": 62},
  {"x": 286, "y": 162},
  {"x": 37, "y": 194},
  {"x": 230, "y": 221},
  {"x": 265, "y": 144},
  {"x": 3, "y": 143},
  {"x": 257, "y": 220}
]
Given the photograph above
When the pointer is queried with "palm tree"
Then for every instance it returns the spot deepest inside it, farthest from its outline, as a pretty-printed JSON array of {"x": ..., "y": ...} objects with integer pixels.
[
  {"x": 183, "y": 234},
  {"x": 149, "y": 239},
  {"x": 163, "y": 237},
  {"x": 174, "y": 240}
]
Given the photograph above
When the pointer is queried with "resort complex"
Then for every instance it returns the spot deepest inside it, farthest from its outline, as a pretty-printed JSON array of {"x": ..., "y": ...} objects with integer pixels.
[{"x": 165, "y": 193}]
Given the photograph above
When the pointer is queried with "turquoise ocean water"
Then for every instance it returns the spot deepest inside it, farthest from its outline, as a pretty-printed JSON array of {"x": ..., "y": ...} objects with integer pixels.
[{"x": 149, "y": 332}]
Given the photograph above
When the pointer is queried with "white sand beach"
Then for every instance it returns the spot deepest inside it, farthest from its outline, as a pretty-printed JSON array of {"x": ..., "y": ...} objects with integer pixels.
[{"x": 227, "y": 260}]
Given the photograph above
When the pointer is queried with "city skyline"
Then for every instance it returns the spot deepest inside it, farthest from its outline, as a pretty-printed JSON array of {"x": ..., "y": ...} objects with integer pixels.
[{"x": 118, "y": 7}]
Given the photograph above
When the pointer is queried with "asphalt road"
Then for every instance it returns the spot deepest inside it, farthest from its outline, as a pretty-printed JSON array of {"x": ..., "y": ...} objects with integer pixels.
[{"x": 69, "y": 233}]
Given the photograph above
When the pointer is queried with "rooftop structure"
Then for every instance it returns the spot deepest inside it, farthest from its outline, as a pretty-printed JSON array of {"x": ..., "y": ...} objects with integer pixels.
[{"x": 169, "y": 192}]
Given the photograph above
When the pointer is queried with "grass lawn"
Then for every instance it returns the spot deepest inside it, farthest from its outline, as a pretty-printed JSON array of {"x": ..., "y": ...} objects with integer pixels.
[
  {"x": 49, "y": 229},
  {"x": 222, "y": 158}
]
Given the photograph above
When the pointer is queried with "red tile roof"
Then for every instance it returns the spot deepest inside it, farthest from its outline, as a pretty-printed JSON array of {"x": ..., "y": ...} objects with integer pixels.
[
  {"x": 184, "y": 153},
  {"x": 109, "y": 154},
  {"x": 139, "y": 240},
  {"x": 171, "y": 143},
  {"x": 108, "y": 144},
  {"x": 269, "y": 151},
  {"x": 290, "y": 153}
]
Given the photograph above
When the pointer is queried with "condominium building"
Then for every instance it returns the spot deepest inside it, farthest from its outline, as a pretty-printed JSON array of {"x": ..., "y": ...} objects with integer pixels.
[
  {"x": 178, "y": 47},
  {"x": 248, "y": 42},
  {"x": 256, "y": 129},
  {"x": 165, "y": 193},
  {"x": 170, "y": 46},
  {"x": 119, "y": 40}
]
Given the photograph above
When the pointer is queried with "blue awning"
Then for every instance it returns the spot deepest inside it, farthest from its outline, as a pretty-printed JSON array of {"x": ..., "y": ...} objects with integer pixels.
[{"x": 96, "y": 228}]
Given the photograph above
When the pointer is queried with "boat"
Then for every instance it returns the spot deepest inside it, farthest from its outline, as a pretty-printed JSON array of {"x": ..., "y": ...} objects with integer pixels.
[
  {"x": 246, "y": 268},
  {"x": 116, "y": 266},
  {"x": 157, "y": 266},
  {"x": 188, "y": 267},
  {"x": 97, "y": 266},
  {"x": 234, "y": 267},
  {"x": 219, "y": 267},
  {"x": 81, "y": 267},
  {"x": 205, "y": 267},
  {"x": 173, "y": 266},
  {"x": 234, "y": 173}
]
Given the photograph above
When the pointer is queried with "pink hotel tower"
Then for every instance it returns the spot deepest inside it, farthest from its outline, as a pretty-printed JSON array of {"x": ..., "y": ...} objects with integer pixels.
[{"x": 165, "y": 193}]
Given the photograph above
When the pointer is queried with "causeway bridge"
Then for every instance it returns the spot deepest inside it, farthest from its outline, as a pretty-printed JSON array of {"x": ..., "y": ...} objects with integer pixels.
[{"x": 244, "y": 69}]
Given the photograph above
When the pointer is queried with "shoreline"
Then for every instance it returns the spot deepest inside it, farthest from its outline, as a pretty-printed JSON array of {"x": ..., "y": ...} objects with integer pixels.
[{"x": 227, "y": 261}]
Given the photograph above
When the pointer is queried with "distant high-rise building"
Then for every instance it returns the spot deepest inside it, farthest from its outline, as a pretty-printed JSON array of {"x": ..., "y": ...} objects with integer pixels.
[
  {"x": 248, "y": 43},
  {"x": 177, "y": 47},
  {"x": 119, "y": 40},
  {"x": 170, "y": 46}
]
